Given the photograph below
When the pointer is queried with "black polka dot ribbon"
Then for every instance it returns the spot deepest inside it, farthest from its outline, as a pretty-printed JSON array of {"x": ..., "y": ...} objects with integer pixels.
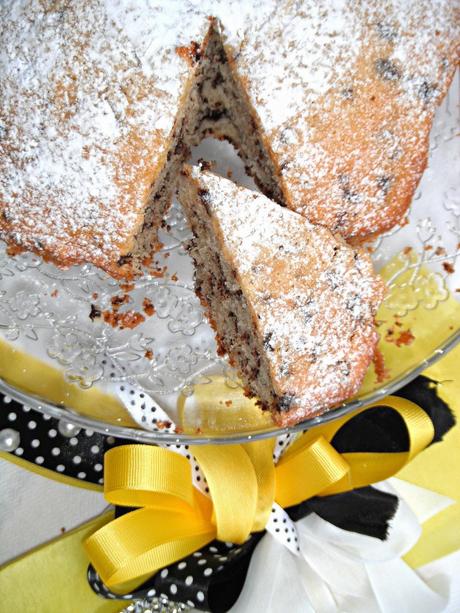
[
  {"x": 50, "y": 444},
  {"x": 210, "y": 579}
]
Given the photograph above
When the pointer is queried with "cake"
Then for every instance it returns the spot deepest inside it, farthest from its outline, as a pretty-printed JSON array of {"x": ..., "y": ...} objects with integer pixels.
[
  {"x": 329, "y": 103},
  {"x": 292, "y": 304}
]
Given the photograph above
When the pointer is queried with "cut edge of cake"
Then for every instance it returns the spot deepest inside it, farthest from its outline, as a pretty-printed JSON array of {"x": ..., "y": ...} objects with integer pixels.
[
  {"x": 213, "y": 104},
  {"x": 262, "y": 314}
]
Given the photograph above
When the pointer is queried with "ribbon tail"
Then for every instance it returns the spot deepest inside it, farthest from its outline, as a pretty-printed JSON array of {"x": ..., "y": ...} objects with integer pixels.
[
  {"x": 440, "y": 574},
  {"x": 424, "y": 502},
  {"x": 398, "y": 588},
  {"x": 272, "y": 583}
]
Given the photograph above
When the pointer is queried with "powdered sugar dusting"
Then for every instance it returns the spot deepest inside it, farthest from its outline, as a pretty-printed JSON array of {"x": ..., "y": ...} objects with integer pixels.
[
  {"x": 313, "y": 296},
  {"x": 344, "y": 91},
  {"x": 83, "y": 128}
]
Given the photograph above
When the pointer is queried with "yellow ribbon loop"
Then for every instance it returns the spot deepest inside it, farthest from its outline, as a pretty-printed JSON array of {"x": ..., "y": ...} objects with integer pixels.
[
  {"x": 261, "y": 455},
  {"x": 366, "y": 468},
  {"x": 177, "y": 519},
  {"x": 314, "y": 469},
  {"x": 144, "y": 476},
  {"x": 308, "y": 471},
  {"x": 232, "y": 484}
]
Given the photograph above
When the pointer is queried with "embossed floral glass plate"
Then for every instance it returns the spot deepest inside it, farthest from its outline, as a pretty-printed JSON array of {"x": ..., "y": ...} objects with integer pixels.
[{"x": 59, "y": 356}]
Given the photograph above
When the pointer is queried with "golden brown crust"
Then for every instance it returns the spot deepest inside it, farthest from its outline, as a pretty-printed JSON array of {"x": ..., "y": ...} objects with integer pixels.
[
  {"x": 352, "y": 161},
  {"x": 343, "y": 96}
]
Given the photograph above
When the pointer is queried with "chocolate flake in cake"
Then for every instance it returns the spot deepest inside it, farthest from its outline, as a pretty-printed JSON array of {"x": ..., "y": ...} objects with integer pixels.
[
  {"x": 308, "y": 346},
  {"x": 386, "y": 69}
]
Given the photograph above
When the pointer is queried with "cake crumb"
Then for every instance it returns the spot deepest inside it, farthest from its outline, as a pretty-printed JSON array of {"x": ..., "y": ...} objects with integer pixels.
[
  {"x": 129, "y": 319},
  {"x": 158, "y": 273},
  {"x": 190, "y": 53},
  {"x": 379, "y": 366},
  {"x": 174, "y": 277},
  {"x": 54, "y": 293},
  {"x": 117, "y": 301},
  {"x": 127, "y": 287},
  {"x": 440, "y": 251},
  {"x": 228, "y": 403},
  {"x": 448, "y": 267},
  {"x": 148, "y": 354},
  {"x": 147, "y": 306},
  {"x": 161, "y": 425}
]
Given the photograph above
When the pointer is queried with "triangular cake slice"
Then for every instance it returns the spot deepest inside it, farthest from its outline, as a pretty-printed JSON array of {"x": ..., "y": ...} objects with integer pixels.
[{"x": 292, "y": 304}]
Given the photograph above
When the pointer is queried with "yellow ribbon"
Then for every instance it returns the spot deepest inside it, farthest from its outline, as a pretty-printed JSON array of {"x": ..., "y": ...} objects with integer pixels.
[{"x": 176, "y": 519}]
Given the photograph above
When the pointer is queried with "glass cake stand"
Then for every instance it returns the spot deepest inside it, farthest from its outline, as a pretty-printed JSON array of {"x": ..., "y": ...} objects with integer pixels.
[{"x": 58, "y": 356}]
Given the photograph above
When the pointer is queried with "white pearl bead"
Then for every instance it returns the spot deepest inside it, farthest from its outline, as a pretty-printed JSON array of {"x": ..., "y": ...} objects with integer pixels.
[
  {"x": 9, "y": 439},
  {"x": 68, "y": 429}
]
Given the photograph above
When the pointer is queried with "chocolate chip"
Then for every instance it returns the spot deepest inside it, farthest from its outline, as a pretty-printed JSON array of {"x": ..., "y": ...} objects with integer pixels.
[
  {"x": 350, "y": 196},
  {"x": 94, "y": 313},
  {"x": 205, "y": 199},
  {"x": 267, "y": 345},
  {"x": 285, "y": 402},
  {"x": 125, "y": 259},
  {"x": 387, "y": 70},
  {"x": 384, "y": 183},
  {"x": 386, "y": 31},
  {"x": 217, "y": 80},
  {"x": 284, "y": 370},
  {"x": 344, "y": 368},
  {"x": 181, "y": 148},
  {"x": 216, "y": 114},
  {"x": 195, "y": 51},
  {"x": 347, "y": 93},
  {"x": 332, "y": 280},
  {"x": 288, "y": 136},
  {"x": 427, "y": 91}
]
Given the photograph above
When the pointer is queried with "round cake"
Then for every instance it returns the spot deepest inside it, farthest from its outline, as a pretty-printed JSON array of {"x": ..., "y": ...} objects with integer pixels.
[{"x": 329, "y": 103}]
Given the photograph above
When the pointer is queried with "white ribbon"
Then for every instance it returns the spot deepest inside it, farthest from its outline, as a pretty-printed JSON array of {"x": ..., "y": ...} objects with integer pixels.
[{"x": 341, "y": 571}]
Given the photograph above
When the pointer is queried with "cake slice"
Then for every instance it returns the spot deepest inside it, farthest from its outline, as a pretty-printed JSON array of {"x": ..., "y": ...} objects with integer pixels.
[{"x": 292, "y": 304}]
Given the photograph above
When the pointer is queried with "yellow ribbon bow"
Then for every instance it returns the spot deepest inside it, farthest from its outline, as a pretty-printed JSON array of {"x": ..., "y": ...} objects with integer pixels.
[{"x": 175, "y": 519}]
